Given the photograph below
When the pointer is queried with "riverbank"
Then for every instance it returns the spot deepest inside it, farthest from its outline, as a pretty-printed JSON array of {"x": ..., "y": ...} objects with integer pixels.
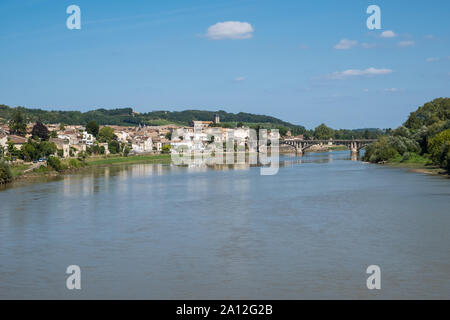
[
  {"x": 22, "y": 171},
  {"x": 114, "y": 160},
  {"x": 420, "y": 168},
  {"x": 417, "y": 163}
]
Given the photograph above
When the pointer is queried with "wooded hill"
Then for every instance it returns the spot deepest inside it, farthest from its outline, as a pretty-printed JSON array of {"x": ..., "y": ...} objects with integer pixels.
[{"x": 126, "y": 117}]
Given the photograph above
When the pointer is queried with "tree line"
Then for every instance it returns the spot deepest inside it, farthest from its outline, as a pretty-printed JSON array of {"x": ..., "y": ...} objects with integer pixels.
[{"x": 423, "y": 138}]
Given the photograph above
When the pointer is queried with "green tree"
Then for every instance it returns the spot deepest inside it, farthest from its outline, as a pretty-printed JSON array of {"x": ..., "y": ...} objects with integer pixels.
[
  {"x": 438, "y": 147},
  {"x": 380, "y": 151},
  {"x": 92, "y": 128},
  {"x": 106, "y": 134},
  {"x": 322, "y": 132},
  {"x": 30, "y": 151},
  {"x": 47, "y": 149},
  {"x": 166, "y": 148},
  {"x": 55, "y": 163},
  {"x": 433, "y": 112},
  {"x": 5, "y": 172},
  {"x": 17, "y": 124},
  {"x": 114, "y": 147}
]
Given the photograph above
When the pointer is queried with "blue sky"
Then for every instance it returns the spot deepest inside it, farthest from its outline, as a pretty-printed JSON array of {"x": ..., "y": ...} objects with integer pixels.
[{"x": 306, "y": 62}]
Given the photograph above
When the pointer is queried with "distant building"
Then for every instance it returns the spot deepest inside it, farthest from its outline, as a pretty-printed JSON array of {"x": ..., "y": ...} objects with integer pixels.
[
  {"x": 202, "y": 124},
  {"x": 62, "y": 144},
  {"x": 142, "y": 144},
  {"x": 216, "y": 118},
  {"x": 88, "y": 139}
]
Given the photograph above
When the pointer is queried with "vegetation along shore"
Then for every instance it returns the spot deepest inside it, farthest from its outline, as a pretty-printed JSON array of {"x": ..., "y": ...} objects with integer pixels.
[{"x": 421, "y": 144}]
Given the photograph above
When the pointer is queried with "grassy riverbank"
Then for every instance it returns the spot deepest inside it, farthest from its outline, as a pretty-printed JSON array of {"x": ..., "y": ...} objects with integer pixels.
[
  {"x": 113, "y": 160},
  {"x": 19, "y": 171},
  {"x": 417, "y": 163}
]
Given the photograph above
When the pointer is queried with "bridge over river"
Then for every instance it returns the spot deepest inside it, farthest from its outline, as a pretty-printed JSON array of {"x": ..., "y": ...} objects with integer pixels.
[{"x": 301, "y": 145}]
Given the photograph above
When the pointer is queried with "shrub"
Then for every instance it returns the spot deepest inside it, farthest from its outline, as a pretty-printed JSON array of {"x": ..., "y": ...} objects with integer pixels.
[
  {"x": 5, "y": 173},
  {"x": 55, "y": 163},
  {"x": 74, "y": 163},
  {"x": 388, "y": 148},
  {"x": 380, "y": 151},
  {"x": 166, "y": 148}
]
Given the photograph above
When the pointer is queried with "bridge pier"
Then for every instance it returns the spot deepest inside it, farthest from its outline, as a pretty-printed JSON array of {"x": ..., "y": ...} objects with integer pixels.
[
  {"x": 354, "y": 147},
  {"x": 354, "y": 151}
]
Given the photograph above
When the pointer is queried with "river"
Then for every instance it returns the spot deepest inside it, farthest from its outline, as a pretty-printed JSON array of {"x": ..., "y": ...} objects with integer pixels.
[{"x": 163, "y": 232}]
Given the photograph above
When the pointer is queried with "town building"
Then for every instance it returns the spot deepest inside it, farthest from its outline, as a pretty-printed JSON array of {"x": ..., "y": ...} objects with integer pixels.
[
  {"x": 18, "y": 141},
  {"x": 62, "y": 144}
]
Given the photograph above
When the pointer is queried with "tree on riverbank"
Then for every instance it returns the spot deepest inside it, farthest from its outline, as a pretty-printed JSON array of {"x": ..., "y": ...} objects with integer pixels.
[
  {"x": 5, "y": 172},
  {"x": 439, "y": 148},
  {"x": 424, "y": 137}
]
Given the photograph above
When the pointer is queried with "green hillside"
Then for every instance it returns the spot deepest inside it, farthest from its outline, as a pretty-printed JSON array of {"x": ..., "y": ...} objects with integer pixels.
[{"x": 127, "y": 117}]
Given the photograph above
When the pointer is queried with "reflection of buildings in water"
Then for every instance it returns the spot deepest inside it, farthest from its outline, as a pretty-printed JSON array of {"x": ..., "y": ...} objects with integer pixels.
[
  {"x": 87, "y": 185},
  {"x": 67, "y": 186},
  {"x": 141, "y": 170},
  {"x": 106, "y": 175},
  {"x": 239, "y": 161},
  {"x": 74, "y": 186},
  {"x": 330, "y": 157},
  {"x": 289, "y": 163}
]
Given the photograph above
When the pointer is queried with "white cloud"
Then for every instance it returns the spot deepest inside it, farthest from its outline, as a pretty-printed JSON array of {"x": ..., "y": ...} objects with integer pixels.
[
  {"x": 428, "y": 36},
  {"x": 303, "y": 46},
  {"x": 239, "y": 79},
  {"x": 358, "y": 73},
  {"x": 433, "y": 59},
  {"x": 388, "y": 34},
  {"x": 406, "y": 43},
  {"x": 230, "y": 30},
  {"x": 345, "y": 44},
  {"x": 391, "y": 90}
]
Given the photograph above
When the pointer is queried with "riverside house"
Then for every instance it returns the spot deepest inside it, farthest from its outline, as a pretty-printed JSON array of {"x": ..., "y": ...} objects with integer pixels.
[
  {"x": 18, "y": 141},
  {"x": 142, "y": 144},
  {"x": 62, "y": 144}
]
